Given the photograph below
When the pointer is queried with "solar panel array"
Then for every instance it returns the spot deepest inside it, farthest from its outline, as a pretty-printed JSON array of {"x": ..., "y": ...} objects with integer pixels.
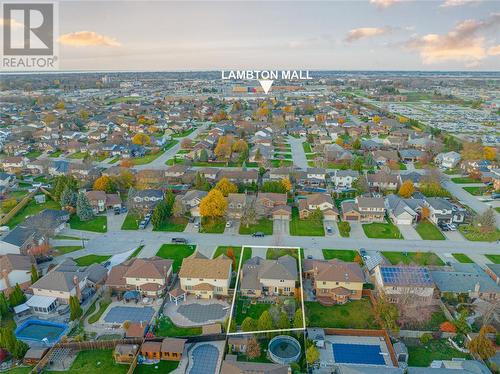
[{"x": 399, "y": 275}]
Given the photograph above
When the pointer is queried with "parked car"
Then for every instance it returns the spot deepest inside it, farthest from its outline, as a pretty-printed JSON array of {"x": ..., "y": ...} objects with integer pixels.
[
  {"x": 452, "y": 227},
  {"x": 143, "y": 224},
  {"x": 42, "y": 259},
  {"x": 197, "y": 225},
  {"x": 258, "y": 234},
  {"x": 124, "y": 209},
  {"x": 179, "y": 240},
  {"x": 309, "y": 257},
  {"x": 229, "y": 224},
  {"x": 329, "y": 230},
  {"x": 362, "y": 252},
  {"x": 106, "y": 264},
  {"x": 117, "y": 210}
]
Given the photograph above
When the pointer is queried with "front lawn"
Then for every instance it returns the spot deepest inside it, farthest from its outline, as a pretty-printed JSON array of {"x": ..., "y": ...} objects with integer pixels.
[
  {"x": 213, "y": 226},
  {"x": 356, "y": 314},
  {"x": 307, "y": 147},
  {"x": 146, "y": 159},
  {"x": 165, "y": 327},
  {"x": 428, "y": 231},
  {"x": 378, "y": 230},
  {"x": 31, "y": 209},
  {"x": 274, "y": 253},
  {"x": 263, "y": 225},
  {"x": 96, "y": 224},
  {"x": 246, "y": 307},
  {"x": 176, "y": 252},
  {"x": 33, "y": 154},
  {"x": 463, "y": 259},
  {"x": 464, "y": 180},
  {"x": 183, "y": 133},
  {"x": 346, "y": 255},
  {"x": 95, "y": 361},
  {"x": 476, "y": 190},
  {"x": 422, "y": 356},
  {"x": 494, "y": 258},
  {"x": 173, "y": 224},
  {"x": 55, "y": 154},
  {"x": 131, "y": 222},
  {"x": 475, "y": 235},
  {"x": 418, "y": 258},
  {"x": 161, "y": 367},
  {"x": 103, "y": 305},
  {"x": 91, "y": 259},
  {"x": 67, "y": 249},
  {"x": 222, "y": 250},
  {"x": 78, "y": 155},
  {"x": 305, "y": 227}
]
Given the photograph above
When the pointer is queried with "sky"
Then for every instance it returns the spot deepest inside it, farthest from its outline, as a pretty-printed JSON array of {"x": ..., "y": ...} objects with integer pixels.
[{"x": 330, "y": 35}]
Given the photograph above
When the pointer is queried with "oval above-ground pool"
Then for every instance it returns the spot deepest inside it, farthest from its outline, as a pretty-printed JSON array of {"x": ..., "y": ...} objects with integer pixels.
[
  {"x": 284, "y": 349},
  {"x": 43, "y": 332}
]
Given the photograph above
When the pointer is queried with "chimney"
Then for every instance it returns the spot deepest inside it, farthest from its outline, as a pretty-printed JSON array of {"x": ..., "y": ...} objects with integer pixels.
[
  {"x": 5, "y": 275},
  {"x": 77, "y": 286}
]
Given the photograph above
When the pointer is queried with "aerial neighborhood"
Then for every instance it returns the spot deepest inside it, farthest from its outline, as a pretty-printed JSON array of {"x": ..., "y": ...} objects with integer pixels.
[{"x": 195, "y": 226}]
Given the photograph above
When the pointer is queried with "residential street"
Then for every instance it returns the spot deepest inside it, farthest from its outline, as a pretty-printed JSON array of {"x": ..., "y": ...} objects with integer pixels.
[{"x": 298, "y": 154}]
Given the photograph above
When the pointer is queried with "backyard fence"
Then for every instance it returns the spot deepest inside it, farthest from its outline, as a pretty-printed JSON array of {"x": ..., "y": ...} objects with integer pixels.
[
  {"x": 20, "y": 206},
  {"x": 97, "y": 344}
]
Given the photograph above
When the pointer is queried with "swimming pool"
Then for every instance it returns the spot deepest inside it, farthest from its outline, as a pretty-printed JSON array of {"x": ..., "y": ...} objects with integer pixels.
[
  {"x": 35, "y": 330},
  {"x": 284, "y": 349},
  {"x": 362, "y": 354}
]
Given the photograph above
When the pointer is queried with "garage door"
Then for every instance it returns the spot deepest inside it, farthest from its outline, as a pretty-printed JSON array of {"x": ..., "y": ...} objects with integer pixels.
[{"x": 351, "y": 218}]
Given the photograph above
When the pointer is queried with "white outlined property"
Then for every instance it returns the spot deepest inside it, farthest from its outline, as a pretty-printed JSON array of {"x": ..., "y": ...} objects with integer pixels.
[{"x": 238, "y": 290}]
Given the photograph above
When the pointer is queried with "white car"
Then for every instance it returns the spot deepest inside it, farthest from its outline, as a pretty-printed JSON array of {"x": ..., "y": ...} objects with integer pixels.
[{"x": 229, "y": 224}]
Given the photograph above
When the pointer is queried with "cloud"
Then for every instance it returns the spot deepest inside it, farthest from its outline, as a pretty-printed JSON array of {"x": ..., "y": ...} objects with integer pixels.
[
  {"x": 455, "y": 3},
  {"x": 87, "y": 38},
  {"x": 365, "y": 32},
  {"x": 384, "y": 3},
  {"x": 494, "y": 51},
  {"x": 466, "y": 42},
  {"x": 13, "y": 23}
]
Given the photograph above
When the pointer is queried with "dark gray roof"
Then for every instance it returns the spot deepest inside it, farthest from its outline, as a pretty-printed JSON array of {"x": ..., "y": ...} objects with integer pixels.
[{"x": 464, "y": 279}]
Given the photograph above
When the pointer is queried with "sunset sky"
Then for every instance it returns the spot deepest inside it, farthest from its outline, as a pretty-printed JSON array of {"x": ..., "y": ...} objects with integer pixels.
[{"x": 345, "y": 35}]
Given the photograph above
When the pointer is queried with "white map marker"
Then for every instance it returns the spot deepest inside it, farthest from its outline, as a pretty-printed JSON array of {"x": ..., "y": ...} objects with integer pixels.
[{"x": 266, "y": 84}]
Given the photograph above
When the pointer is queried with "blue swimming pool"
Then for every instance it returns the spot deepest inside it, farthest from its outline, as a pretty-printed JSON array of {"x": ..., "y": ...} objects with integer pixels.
[
  {"x": 357, "y": 354},
  {"x": 205, "y": 359},
  {"x": 35, "y": 330}
]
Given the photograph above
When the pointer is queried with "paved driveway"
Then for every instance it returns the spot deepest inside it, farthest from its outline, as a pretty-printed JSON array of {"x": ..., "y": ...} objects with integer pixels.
[
  {"x": 357, "y": 231},
  {"x": 298, "y": 154},
  {"x": 190, "y": 228},
  {"x": 281, "y": 227},
  {"x": 409, "y": 232},
  {"x": 334, "y": 227},
  {"x": 454, "y": 235},
  {"x": 234, "y": 229}
]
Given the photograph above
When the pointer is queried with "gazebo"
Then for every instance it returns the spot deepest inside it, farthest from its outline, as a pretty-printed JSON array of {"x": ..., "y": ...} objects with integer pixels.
[
  {"x": 131, "y": 295},
  {"x": 177, "y": 295}
]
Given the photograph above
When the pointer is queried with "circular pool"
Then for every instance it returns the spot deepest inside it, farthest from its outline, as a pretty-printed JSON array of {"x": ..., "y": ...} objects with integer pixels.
[{"x": 284, "y": 349}]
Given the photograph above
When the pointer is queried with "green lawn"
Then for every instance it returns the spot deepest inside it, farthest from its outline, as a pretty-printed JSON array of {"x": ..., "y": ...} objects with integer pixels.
[
  {"x": 103, "y": 305},
  {"x": 136, "y": 252},
  {"x": 245, "y": 308},
  {"x": 33, "y": 154},
  {"x": 476, "y": 190},
  {"x": 356, "y": 314},
  {"x": 77, "y": 155},
  {"x": 428, "y": 231},
  {"x": 274, "y": 253},
  {"x": 183, "y": 133},
  {"x": 91, "y": 259},
  {"x": 165, "y": 327},
  {"x": 146, "y": 159},
  {"x": 464, "y": 180},
  {"x": 31, "y": 209},
  {"x": 95, "y": 361},
  {"x": 263, "y": 225},
  {"x": 131, "y": 222},
  {"x": 176, "y": 252},
  {"x": 494, "y": 258},
  {"x": 422, "y": 356},
  {"x": 473, "y": 234},
  {"x": 464, "y": 259},
  {"x": 418, "y": 258},
  {"x": 114, "y": 160},
  {"x": 162, "y": 367},
  {"x": 498, "y": 209},
  {"x": 346, "y": 255},
  {"x": 213, "y": 226},
  {"x": 307, "y": 147},
  {"x": 19, "y": 370},
  {"x": 378, "y": 230},
  {"x": 173, "y": 224},
  {"x": 56, "y": 154},
  {"x": 237, "y": 253},
  {"x": 18, "y": 195},
  {"x": 305, "y": 227},
  {"x": 68, "y": 248},
  {"x": 96, "y": 224}
]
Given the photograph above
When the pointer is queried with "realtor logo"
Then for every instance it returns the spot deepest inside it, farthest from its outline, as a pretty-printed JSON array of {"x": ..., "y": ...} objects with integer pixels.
[{"x": 29, "y": 36}]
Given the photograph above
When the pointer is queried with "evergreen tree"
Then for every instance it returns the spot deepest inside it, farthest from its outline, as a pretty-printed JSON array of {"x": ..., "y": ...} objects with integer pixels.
[
  {"x": 17, "y": 296},
  {"x": 283, "y": 321},
  {"x": 248, "y": 325},
  {"x": 4, "y": 305},
  {"x": 75, "y": 310},
  {"x": 169, "y": 203},
  {"x": 159, "y": 214},
  {"x": 68, "y": 197},
  {"x": 298, "y": 321},
  {"x": 83, "y": 208},
  {"x": 34, "y": 274},
  {"x": 265, "y": 321},
  {"x": 203, "y": 155}
]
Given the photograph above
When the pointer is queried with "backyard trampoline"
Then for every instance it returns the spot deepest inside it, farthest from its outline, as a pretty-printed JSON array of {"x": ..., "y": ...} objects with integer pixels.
[
  {"x": 205, "y": 359},
  {"x": 199, "y": 313},
  {"x": 362, "y": 354},
  {"x": 120, "y": 314}
]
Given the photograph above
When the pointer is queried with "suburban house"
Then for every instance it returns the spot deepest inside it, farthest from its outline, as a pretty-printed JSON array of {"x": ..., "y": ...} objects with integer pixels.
[
  {"x": 236, "y": 204},
  {"x": 447, "y": 160},
  {"x": 191, "y": 201},
  {"x": 271, "y": 204},
  {"x": 205, "y": 278},
  {"x": 170, "y": 349},
  {"x": 385, "y": 157},
  {"x": 15, "y": 269},
  {"x": 144, "y": 200},
  {"x": 323, "y": 202},
  {"x": 342, "y": 179},
  {"x": 404, "y": 283},
  {"x": 411, "y": 155},
  {"x": 261, "y": 277},
  {"x": 334, "y": 281},
  {"x": 382, "y": 181},
  {"x": 240, "y": 176},
  {"x": 440, "y": 210},
  {"x": 149, "y": 276},
  {"x": 101, "y": 200},
  {"x": 404, "y": 211},
  {"x": 363, "y": 209},
  {"x": 467, "y": 279},
  {"x": 313, "y": 177}
]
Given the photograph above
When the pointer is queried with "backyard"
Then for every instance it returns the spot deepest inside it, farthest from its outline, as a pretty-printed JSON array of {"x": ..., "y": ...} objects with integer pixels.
[
  {"x": 418, "y": 258},
  {"x": 93, "y": 361},
  {"x": 377, "y": 230},
  {"x": 305, "y": 227},
  {"x": 31, "y": 209},
  {"x": 422, "y": 355},
  {"x": 263, "y": 225},
  {"x": 356, "y": 314},
  {"x": 161, "y": 367},
  {"x": 165, "y": 327},
  {"x": 346, "y": 255},
  {"x": 246, "y": 307},
  {"x": 176, "y": 252},
  {"x": 96, "y": 224},
  {"x": 91, "y": 259},
  {"x": 428, "y": 231}
]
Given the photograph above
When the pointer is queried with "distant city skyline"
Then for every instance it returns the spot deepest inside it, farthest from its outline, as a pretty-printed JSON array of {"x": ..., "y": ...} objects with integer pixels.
[{"x": 328, "y": 35}]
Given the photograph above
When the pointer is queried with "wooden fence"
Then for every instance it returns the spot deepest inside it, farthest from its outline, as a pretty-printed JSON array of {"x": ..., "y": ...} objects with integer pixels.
[{"x": 20, "y": 206}]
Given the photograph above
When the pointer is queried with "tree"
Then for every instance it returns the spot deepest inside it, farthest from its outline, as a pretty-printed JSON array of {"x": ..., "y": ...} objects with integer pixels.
[
  {"x": 68, "y": 197},
  {"x": 126, "y": 163},
  {"x": 240, "y": 146},
  {"x": 223, "y": 149},
  {"x": 8, "y": 341},
  {"x": 360, "y": 184},
  {"x": 472, "y": 150},
  {"x": 387, "y": 313},
  {"x": 316, "y": 215},
  {"x": 426, "y": 213},
  {"x": 339, "y": 141},
  {"x": 357, "y": 164},
  {"x": 203, "y": 155},
  {"x": 486, "y": 221},
  {"x": 287, "y": 185},
  {"x": 490, "y": 153},
  {"x": 253, "y": 348},
  {"x": 8, "y": 205},
  {"x": 265, "y": 321},
  {"x": 83, "y": 208},
  {"x": 141, "y": 139},
  {"x": 104, "y": 183},
  {"x": 481, "y": 345},
  {"x": 376, "y": 119},
  {"x": 213, "y": 205},
  {"x": 124, "y": 181},
  {"x": 178, "y": 208},
  {"x": 169, "y": 202},
  {"x": 226, "y": 187},
  {"x": 62, "y": 182},
  {"x": 312, "y": 354},
  {"x": 461, "y": 324},
  {"x": 249, "y": 216},
  {"x": 4, "y": 305},
  {"x": 273, "y": 186},
  {"x": 249, "y": 324},
  {"x": 159, "y": 215},
  {"x": 356, "y": 144},
  {"x": 407, "y": 189},
  {"x": 17, "y": 296},
  {"x": 201, "y": 183},
  {"x": 283, "y": 321},
  {"x": 34, "y": 274},
  {"x": 298, "y": 319},
  {"x": 75, "y": 310}
]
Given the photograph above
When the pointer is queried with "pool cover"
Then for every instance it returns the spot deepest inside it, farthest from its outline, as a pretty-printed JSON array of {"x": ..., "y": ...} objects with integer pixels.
[
  {"x": 204, "y": 359},
  {"x": 120, "y": 314},
  {"x": 357, "y": 354}
]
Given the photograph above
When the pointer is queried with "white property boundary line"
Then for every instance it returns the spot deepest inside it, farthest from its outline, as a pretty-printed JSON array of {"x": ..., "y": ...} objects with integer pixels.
[{"x": 236, "y": 290}]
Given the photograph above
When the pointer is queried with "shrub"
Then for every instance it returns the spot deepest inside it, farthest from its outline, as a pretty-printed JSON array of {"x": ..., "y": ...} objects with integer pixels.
[
  {"x": 344, "y": 228},
  {"x": 425, "y": 338}
]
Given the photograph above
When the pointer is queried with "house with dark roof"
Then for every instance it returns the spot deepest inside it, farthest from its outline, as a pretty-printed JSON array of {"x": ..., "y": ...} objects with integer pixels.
[
  {"x": 363, "y": 209},
  {"x": 404, "y": 211}
]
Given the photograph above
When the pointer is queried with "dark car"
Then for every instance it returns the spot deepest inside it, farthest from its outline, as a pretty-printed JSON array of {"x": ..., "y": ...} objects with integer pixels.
[
  {"x": 116, "y": 210},
  {"x": 258, "y": 234},
  {"x": 42, "y": 259},
  {"x": 179, "y": 240},
  {"x": 124, "y": 209},
  {"x": 362, "y": 252}
]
